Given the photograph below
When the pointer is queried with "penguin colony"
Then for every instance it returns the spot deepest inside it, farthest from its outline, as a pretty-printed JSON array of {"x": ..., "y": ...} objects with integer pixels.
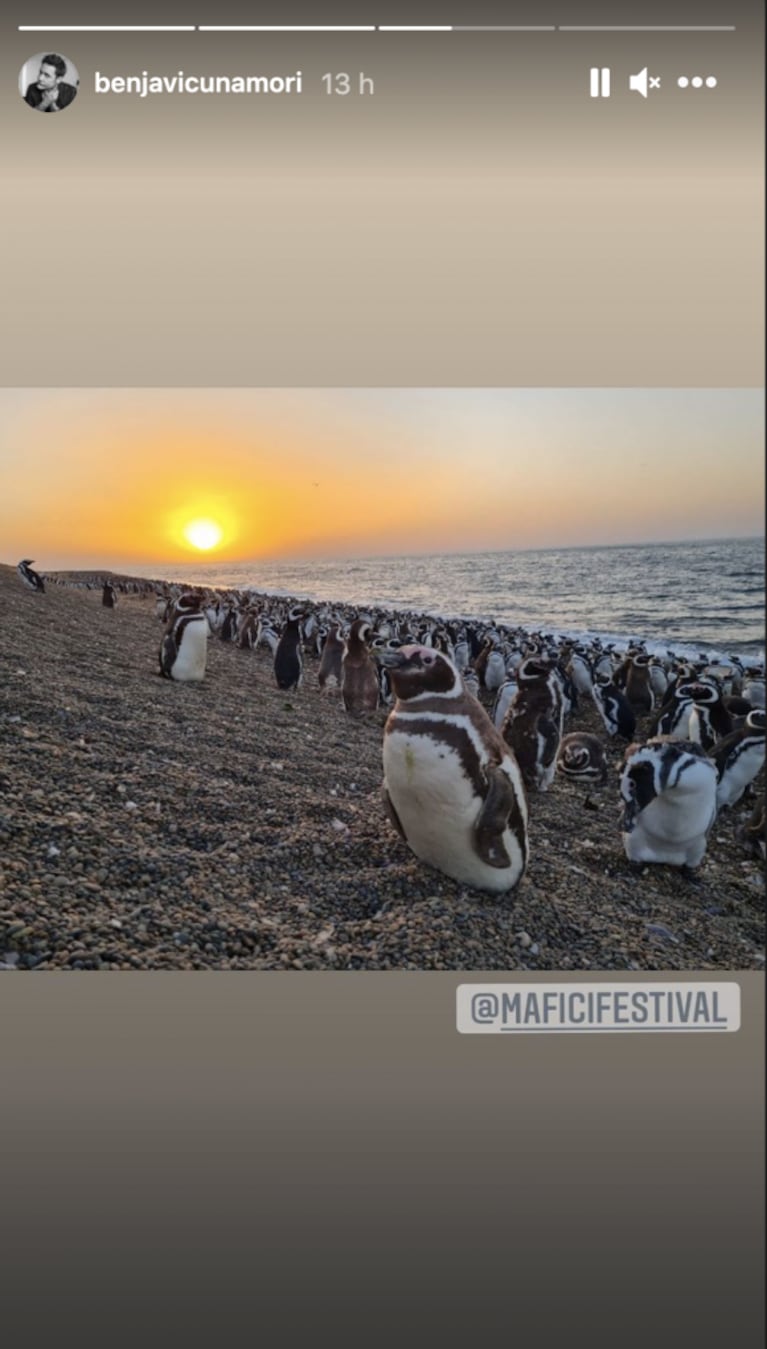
[{"x": 479, "y": 720}]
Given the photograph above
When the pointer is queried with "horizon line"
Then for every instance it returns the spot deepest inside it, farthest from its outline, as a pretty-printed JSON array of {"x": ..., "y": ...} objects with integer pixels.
[{"x": 204, "y": 560}]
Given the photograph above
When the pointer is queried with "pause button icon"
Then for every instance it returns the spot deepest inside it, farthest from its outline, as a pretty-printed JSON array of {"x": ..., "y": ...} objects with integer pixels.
[{"x": 600, "y": 82}]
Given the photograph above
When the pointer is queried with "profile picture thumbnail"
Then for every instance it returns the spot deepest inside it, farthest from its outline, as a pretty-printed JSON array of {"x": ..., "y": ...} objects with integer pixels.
[{"x": 49, "y": 82}]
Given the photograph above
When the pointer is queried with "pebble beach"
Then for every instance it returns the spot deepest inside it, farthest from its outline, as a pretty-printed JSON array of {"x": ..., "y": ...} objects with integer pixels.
[{"x": 147, "y": 824}]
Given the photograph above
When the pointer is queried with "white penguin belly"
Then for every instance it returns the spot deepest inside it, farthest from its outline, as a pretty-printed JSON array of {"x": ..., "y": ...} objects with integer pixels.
[
  {"x": 192, "y": 656},
  {"x": 438, "y": 809},
  {"x": 740, "y": 776},
  {"x": 673, "y": 831},
  {"x": 682, "y": 729},
  {"x": 581, "y": 679}
]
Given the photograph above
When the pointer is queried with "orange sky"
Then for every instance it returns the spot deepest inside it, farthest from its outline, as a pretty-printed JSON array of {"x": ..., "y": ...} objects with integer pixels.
[{"x": 105, "y": 477}]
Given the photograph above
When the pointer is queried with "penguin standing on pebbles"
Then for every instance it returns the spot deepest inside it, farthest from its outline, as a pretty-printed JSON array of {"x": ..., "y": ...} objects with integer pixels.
[
  {"x": 462, "y": 654},
  {"x": 359, "y": 677},
  {"x": 613, "y": 707},
  {"x": 668, "y": 790},
  {"x": 452, "y": 787},
  {"x": 495, "y": 671},
  {"x": 639, "y": 690},
  {"x": 329, "y": 673},
  {"x": 184, "y": 647},
  {"x": 533, "y": 723},
  {"x": 108, "y": 595},
  {"x": 288, "y": 660},
  {"x": 29, "y": 577}
]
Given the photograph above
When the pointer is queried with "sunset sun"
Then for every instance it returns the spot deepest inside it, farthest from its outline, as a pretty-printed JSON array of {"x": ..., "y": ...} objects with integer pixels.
[{"x": 203, "y": 534}]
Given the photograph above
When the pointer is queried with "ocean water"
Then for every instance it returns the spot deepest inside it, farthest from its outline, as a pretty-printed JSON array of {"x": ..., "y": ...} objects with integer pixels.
[{"x": 687, "y": 597}]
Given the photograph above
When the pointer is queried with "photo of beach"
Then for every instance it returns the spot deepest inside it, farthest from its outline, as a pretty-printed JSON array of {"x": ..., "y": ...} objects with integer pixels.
[{"x": 375, "y": 679}]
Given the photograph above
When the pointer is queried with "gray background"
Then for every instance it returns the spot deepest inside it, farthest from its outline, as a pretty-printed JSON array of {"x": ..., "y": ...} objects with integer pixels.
[
  {"x": 284, "y": 1154},
  {"x": 480, "y": 220}
]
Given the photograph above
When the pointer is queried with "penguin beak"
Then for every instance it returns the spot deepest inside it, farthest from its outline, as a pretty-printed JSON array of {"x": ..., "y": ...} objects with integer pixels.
[{"x": 393, "y": 659}]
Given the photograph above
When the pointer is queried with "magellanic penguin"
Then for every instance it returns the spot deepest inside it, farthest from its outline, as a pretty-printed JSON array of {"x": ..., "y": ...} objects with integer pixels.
[
  {"x": 674, "y": 718},
  {"x": 479, "y": 665},
  {"x": 108, "y": 595},
  {"x": 533, "y": 723},
  {"x": 495, "y": 671},
  {"x": 359, "y": 677},
  {"x": 502, "y": 701},
  {"x": 710, "y": 720},
  {"x": 288, "y": 660},
  {"x": 247, "y": 631},
  {"x": 266, "y": 636},
  {"x": 582, "y": 756},
  {"x": 329, "y": 673},
  {"x": 738, "y": 758},
  {"x": 680, "y": 673},
  {"x": 658, "y": 679},
  {"x": 184, "y": 647},
  {"x": 29, "y": 577},
  {"x": 462, "y": 654},
  {"x": 228, "y": 628},
  {"x": 579, "y": 669},
  {"x": 452, "y": 787},
  {"x": 638, "y": 688},
  {"x": 668, "y": 790},
  {"x": 379, "y": 647},
  {"x": 613, "y": 707}
]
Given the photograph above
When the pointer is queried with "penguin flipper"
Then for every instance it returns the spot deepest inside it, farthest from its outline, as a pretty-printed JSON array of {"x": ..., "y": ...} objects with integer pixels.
[
  {"x": 493, "y": 819},
  {"x": 392, "y": 814},
  {"x": 168, "y": 653}
]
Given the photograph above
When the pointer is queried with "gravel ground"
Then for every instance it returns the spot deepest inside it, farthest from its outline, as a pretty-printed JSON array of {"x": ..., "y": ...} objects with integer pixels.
[{"x": 151, "y": 825}]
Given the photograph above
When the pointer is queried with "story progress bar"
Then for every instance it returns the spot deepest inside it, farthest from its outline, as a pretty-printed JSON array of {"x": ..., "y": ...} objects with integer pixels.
[{"x": 375, "y": 28}]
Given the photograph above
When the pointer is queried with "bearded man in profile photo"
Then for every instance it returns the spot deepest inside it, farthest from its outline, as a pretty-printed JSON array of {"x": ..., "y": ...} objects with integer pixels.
[{"x": 50, "y": 92}]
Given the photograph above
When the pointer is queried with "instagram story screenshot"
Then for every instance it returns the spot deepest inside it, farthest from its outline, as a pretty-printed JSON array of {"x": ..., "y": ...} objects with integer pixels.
[{"x": 382, "y": 671}]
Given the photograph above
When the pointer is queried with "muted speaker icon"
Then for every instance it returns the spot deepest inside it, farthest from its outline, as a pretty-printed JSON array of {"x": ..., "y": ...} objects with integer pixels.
[{"x": 641, "y": 82}]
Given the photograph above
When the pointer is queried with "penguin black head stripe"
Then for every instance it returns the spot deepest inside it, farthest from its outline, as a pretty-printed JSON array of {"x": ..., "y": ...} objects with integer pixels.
[
  {"x": 415, "y": 670},
  {"x": 668, "y": 791},
  {"x": 532, "y": 668},
  {"x": 639, "y": 786}
]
